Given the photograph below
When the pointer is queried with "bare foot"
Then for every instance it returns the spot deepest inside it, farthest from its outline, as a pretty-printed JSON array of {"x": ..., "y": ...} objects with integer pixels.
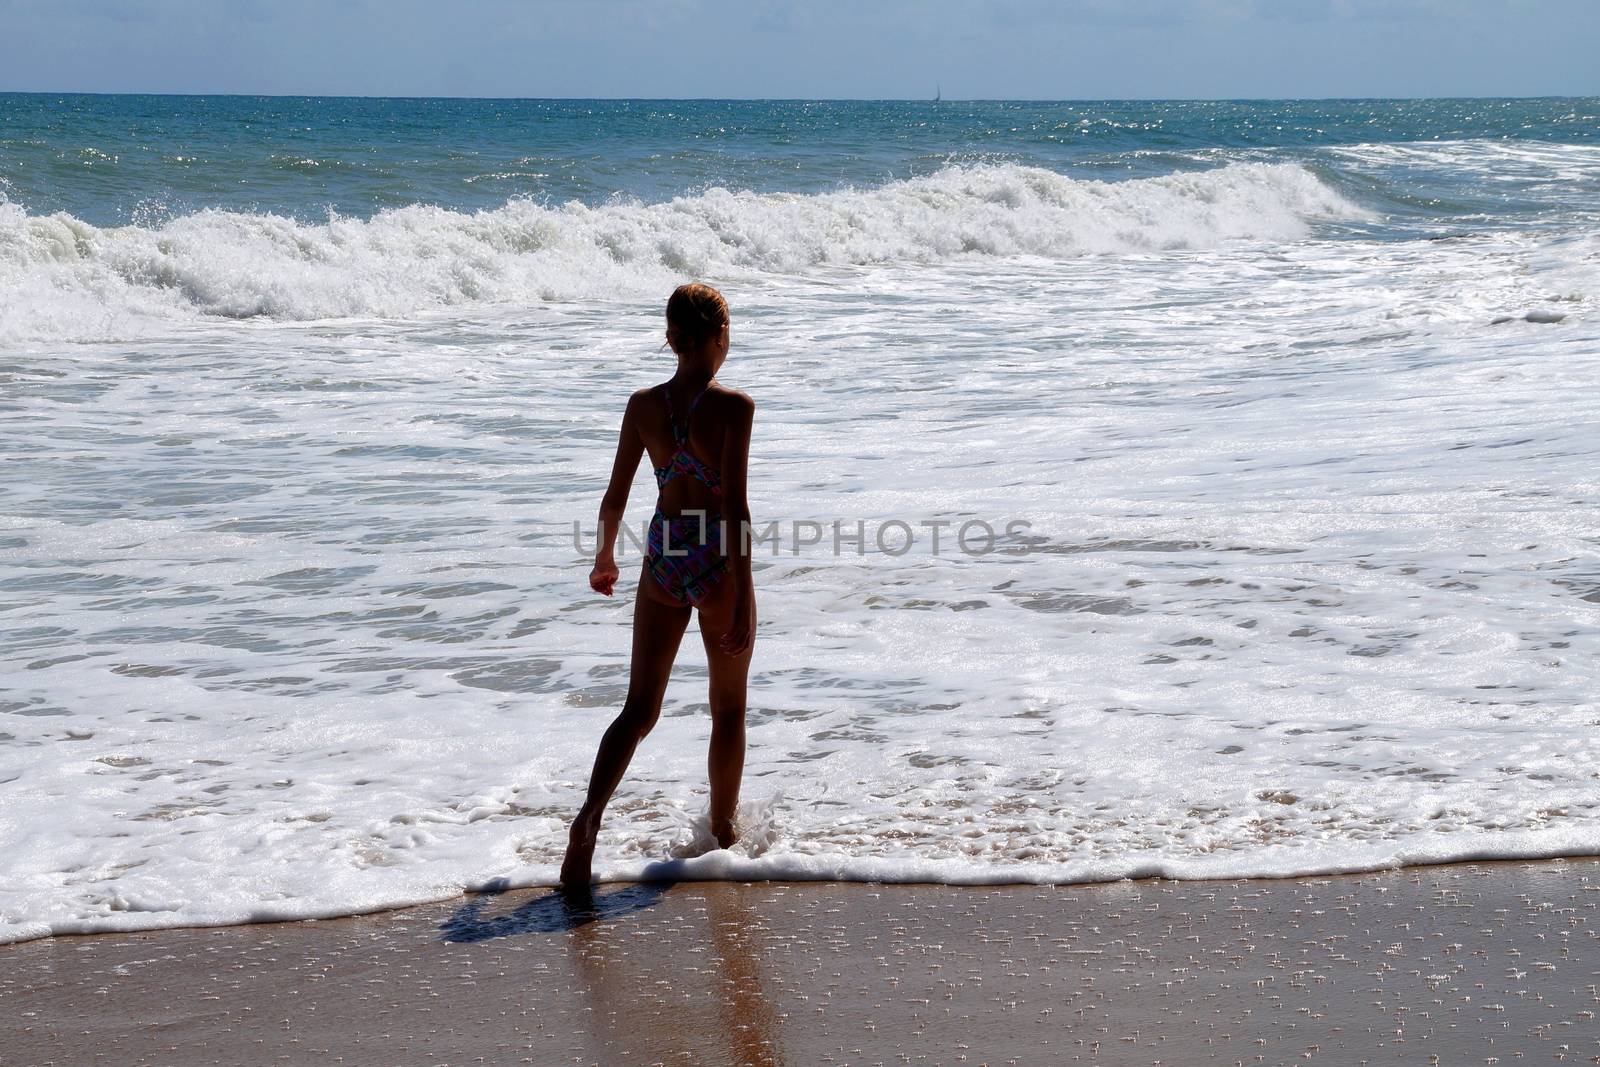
[
  {"x": 724, "y": 833},
  {"x": 575, "y": 872}
]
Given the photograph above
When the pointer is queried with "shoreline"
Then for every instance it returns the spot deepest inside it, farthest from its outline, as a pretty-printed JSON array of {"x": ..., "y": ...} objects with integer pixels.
[
  {"x": 721, "y": 869},
  {"x": 1462, "y": 961}
]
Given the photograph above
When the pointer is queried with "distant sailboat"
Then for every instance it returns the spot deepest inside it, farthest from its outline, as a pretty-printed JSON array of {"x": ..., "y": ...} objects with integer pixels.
[{"x": 938, "y": 92}]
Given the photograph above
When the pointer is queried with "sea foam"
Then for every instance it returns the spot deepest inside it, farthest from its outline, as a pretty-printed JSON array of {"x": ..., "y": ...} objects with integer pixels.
[{"x": 294, "y": 625}]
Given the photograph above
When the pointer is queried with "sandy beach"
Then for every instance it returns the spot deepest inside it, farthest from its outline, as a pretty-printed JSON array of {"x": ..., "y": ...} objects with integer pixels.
[{"x": 1470, "y": 963}]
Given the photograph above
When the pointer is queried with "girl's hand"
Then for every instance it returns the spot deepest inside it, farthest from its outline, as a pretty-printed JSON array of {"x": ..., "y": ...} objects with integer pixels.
[
  {"x": 604, "y": 576},
  {"x": 742, "y": 631}
]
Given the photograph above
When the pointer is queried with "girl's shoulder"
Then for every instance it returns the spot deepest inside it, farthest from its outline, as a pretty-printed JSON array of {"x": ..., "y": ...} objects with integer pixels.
[
  {"x": 730, "y": 401},
  {"x": 724, "y": 402}
]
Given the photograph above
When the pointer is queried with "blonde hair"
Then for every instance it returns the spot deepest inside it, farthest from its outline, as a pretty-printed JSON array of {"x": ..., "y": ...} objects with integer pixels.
[{"x": 696, "y": 313}]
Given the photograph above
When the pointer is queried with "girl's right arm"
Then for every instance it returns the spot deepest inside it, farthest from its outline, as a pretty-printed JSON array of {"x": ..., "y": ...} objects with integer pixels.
[{"x": 630, "y": 446}]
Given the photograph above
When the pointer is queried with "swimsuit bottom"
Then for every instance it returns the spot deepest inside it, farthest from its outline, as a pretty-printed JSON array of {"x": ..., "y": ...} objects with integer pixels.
[{"x": 685, "y": 556}]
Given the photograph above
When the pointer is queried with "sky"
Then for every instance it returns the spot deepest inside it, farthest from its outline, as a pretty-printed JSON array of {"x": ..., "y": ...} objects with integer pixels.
[{"x": 815, "y": 49}]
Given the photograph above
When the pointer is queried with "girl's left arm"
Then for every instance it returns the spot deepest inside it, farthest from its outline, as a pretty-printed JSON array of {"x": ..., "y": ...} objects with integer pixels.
[{"x": 736, "y": 510}]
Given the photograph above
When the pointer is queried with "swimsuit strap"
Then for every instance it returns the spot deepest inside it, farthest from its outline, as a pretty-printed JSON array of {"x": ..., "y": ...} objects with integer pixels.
[
  {"x": 683, "y": 461},
  {"x": 666, "y": 394},
  {"x": 681, "y": 437}
]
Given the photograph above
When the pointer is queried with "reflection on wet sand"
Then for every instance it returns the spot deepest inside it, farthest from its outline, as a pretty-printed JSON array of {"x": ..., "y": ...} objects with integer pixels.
[
  {"x": 655, "y": 993},
  {"x": 750, "y": 1019}
]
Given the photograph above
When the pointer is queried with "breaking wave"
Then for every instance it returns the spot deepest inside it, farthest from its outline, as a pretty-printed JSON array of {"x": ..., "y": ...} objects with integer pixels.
[{"x": 69, "y": 280}]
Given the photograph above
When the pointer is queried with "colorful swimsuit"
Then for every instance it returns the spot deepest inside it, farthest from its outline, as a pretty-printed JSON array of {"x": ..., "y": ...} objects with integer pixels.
[{"x": 684, "y": 554}]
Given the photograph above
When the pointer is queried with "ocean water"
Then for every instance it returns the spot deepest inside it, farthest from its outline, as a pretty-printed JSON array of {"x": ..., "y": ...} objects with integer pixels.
[{"x": 1293, "y": 405}]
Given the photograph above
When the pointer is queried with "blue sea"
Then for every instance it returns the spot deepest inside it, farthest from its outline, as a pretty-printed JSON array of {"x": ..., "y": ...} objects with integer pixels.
[{"x": 1280, "y": 417}]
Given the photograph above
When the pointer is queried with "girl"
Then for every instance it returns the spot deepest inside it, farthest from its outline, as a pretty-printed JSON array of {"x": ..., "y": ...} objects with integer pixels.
[{"x": 697, "y": 558}]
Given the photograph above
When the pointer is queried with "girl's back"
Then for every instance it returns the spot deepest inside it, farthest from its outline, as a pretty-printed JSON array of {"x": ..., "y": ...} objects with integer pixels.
[{"x": 685, "y": 434}]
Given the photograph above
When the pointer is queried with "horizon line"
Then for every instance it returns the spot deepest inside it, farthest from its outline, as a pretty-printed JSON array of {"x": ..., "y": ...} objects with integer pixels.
[{"x": 798, "y": 99}]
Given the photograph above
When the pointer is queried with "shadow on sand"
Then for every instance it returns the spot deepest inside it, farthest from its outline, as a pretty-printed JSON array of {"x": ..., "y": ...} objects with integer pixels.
[{"x": 552, "y": 913}]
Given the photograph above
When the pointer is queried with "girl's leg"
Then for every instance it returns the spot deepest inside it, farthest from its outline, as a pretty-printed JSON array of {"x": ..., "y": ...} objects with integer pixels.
[
  {"x": 729, "y": 675},
  {"x": 658, "y": 626}
]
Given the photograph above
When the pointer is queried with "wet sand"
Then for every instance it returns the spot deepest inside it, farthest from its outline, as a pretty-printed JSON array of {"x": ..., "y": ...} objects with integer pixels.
[{"x": 1472, "y": 963}]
